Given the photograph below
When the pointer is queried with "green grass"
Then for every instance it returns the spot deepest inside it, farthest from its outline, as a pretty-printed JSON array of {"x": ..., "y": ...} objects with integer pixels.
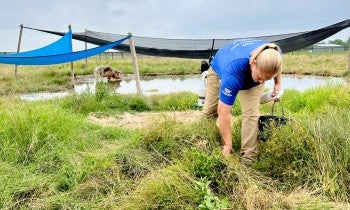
[
  {"x": 323, "y": 64},
  {"x": 52, "y": 157},
  {"x": 106, "y": 102}
]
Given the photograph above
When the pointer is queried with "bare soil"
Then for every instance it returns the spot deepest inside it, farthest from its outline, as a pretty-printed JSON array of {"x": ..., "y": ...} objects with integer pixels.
[{"x": 144, "y": 119}]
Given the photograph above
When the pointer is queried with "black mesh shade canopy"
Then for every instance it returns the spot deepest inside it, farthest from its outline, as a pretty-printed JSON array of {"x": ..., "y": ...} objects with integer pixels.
[{"x": 201, "y": 48}]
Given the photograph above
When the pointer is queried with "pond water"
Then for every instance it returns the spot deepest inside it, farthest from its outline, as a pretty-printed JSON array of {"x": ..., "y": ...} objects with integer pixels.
[{"x": 170, "y": 84}]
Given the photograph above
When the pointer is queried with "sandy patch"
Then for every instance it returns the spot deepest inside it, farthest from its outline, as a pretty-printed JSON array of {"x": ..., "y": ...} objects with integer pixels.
[{"x": 144, "y": 119}]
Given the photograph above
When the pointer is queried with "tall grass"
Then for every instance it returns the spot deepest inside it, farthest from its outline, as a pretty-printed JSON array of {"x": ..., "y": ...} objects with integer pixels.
[
  {"x": 51, "y": 157},
  {"x": 314, "y": 150},
  {"x": 43, "y": 153},
  {"x": 24, "y": 143}
]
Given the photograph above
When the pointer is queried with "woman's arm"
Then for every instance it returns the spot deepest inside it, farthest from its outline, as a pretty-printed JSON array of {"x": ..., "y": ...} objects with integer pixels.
[
  {"x": 277, "y": 86},
  {"x": 224, "y": 124}
]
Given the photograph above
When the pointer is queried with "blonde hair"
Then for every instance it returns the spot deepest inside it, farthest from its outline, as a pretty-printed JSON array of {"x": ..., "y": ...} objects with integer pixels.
[{"x": 268, "y": 58}]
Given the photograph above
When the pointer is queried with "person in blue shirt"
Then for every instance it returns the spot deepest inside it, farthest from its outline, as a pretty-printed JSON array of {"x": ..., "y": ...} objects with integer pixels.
[{"x": 241, "y": 66}]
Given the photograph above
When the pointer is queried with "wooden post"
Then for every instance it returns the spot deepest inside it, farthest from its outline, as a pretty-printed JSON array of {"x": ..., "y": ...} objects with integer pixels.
[
  {"x": 71, "y": 64},
  {"x": 85, "y": 49},
  {"x": 19, "y": 45},
  {"x": 135, "y": 64},
  {"x": 349, "y": 55}
]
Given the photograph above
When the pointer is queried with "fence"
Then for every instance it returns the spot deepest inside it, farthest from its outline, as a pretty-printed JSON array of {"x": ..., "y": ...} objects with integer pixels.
[
  {"x": 327, "y": 49},
  {"x": 111, "y": 55},
  {"x": 315, "y": 49}
]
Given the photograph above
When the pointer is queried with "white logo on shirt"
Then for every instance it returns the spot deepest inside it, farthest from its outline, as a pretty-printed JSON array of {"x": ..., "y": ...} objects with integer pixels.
[
  {"x": 243, "y": 43},
  {"x": 227, "y": 92}
]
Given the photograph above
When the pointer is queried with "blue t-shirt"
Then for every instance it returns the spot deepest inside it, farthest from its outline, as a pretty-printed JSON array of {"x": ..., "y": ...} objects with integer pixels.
[{"x": 231, "y": 63}]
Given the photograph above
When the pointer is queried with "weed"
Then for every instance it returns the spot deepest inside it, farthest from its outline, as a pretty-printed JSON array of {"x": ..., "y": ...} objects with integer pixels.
[{"x": 209, "y": 200}]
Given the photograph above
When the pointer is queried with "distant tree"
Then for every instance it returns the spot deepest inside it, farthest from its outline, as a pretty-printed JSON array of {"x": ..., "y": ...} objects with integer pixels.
[{"x": 339, "y": 42}]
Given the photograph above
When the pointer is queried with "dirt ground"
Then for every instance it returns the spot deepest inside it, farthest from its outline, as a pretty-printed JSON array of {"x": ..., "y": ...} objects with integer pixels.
[{"x": 144, "y": 119}]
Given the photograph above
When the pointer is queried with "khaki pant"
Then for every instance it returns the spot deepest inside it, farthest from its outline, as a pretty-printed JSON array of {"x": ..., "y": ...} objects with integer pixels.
[{"x": 250, "y": 101}]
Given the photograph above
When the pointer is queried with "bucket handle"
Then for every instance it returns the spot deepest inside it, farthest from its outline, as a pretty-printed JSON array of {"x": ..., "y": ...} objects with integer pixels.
[{"x": 273, "y": 106}]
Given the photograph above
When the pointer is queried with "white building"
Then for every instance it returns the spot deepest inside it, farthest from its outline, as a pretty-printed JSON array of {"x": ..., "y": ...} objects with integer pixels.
[{"x": 320, "y": 48}]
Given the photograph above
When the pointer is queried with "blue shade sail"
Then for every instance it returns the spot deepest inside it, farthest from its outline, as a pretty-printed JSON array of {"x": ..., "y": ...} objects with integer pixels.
[
  {"x": 56, "y": 53},
  {"x": 61, "y": 46}
]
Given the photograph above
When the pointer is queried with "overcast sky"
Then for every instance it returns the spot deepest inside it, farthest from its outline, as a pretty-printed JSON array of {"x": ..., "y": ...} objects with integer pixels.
[{"x": 166, "y": 18}]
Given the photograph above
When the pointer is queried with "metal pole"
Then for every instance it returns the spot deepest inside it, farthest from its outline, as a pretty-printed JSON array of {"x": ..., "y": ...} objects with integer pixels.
[
  {"x": 71, "y": 64},
  {"x": 135, "y": 64},
  {"x": 85, "y": 49},
  {"x": 349, "y": 55},
  {"x": 19, "y": 45}
]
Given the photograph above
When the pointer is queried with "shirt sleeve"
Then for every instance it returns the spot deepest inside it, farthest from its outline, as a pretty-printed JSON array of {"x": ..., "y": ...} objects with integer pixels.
[
  {"x": 231, "y": 82},
  {"x": 228, "y": 92}
]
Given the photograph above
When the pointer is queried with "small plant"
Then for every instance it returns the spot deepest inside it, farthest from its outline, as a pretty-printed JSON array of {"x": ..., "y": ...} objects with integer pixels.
[
  {"x": 209, "y": 200},
  {"x": 206, "y": 166},
  {"x": 102, "y": 91},
  {"x": 138, "y": 104}
]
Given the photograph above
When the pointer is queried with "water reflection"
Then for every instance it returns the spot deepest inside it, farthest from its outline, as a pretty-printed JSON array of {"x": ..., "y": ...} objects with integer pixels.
[
  {"x": 162, "y": 85},
  {"x": 301, "y": 83},
  {"x": 192, "y": 83}
]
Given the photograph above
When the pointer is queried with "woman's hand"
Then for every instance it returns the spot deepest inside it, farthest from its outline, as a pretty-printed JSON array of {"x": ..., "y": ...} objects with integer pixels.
[
  {"x": 276, "y": 91},
  {"x": 277, "y": 86},
  {"x": 226, "y": 150}
]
